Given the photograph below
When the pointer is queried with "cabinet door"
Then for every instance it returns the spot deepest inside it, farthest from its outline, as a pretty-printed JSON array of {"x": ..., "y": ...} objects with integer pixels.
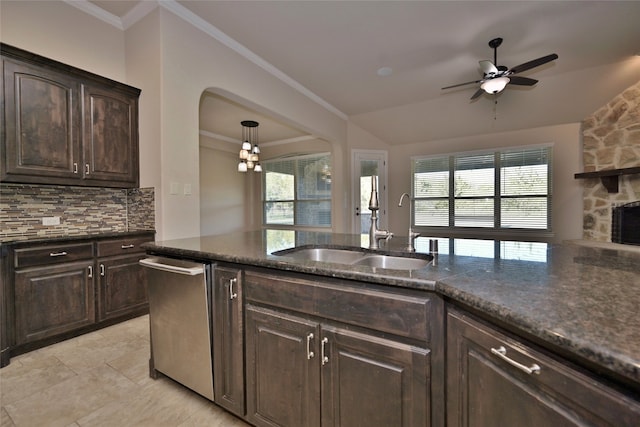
[
  {"x": 489, "y": 389},
  {"x": 122, "y": 287},
  {"x": 52, "y": 300},
  {"x": 110, "y": 137},
  {"x": 41, "y": 113},
  {"x": 283, "y": 372},
  {"x": 370, "y": 381},
  {"x": 228, "y": 336}
]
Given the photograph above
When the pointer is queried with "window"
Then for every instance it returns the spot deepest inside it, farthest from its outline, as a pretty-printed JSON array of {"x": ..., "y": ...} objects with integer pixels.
[
  {"x": 498, "y": 191},
  {"x": 297, "y": 191}
]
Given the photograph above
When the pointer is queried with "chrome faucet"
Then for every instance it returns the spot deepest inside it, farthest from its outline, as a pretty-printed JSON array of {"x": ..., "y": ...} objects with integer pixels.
[
  {"x": 412, "y": 235},
  {"x": 375, "y": 235}
]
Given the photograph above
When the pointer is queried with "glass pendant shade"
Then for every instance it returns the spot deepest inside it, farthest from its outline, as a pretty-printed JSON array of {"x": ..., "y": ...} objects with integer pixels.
[{"x": 249, "y": 153}]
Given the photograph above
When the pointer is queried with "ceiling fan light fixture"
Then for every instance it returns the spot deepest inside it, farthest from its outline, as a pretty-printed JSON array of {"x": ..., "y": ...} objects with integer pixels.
[{"x": 495, "y": 85}]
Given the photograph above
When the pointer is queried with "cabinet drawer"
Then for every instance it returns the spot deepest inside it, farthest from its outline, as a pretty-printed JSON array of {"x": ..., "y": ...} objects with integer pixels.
[
  {"x": 397, "y": 314},
  {"x": 122, "y": 246},
  {"x": 499, "y": 377},
  {"x": 52, "y": 254}
]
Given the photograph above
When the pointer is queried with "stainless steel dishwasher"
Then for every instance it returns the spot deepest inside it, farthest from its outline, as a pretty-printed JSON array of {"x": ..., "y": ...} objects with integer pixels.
[{"x": 180, "y": 320}]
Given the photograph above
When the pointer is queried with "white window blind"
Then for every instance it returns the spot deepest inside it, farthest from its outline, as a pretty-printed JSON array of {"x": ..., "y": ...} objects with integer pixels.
[
  {"x": 497, "y": 190},
  {"x": 297, "y": 191}
]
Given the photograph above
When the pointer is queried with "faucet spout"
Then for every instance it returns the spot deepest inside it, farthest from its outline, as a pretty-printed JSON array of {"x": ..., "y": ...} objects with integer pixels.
[
  {"x": 412, "y": 235},
  {"x": 375, "y": 234}
]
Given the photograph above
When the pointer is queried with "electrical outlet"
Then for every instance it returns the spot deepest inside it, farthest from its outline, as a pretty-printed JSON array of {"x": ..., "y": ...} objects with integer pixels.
[{"x": 51, "y": 220}]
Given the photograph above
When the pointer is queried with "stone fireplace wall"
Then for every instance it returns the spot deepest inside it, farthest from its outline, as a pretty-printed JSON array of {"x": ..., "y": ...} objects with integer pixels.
[{"x": 611, "y": 140}]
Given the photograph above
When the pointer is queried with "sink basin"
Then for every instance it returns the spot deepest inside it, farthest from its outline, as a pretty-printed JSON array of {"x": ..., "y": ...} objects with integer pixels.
[
  {"x": 393, "y": 262},
  {"x": 357, "y": 256},
  {"x": 340, "y": 256}
]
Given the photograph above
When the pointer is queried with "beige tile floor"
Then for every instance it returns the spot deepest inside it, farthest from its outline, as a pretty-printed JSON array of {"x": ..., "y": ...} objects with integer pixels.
[{"x": 100, "y": 379}]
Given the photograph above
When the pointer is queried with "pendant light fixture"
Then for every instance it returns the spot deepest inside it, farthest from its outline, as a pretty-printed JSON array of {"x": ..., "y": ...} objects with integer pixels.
[{"x": 249, "y": 153}]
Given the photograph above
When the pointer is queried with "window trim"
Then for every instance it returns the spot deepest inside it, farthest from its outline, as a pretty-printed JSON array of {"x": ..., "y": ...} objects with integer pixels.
[{"x": 451, "y": 230}]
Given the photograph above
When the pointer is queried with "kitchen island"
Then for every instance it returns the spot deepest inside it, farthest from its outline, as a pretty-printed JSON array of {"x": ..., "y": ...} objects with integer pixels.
[{"x": 575, "y": 304}]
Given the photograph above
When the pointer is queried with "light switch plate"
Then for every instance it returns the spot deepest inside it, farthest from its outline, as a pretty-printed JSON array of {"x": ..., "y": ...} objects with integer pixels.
[{"x": 174, "y": 188}]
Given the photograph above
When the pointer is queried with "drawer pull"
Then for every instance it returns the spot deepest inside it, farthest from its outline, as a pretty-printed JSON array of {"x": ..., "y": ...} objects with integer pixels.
[
  {"x": 102, "y": 270},
  {"x": 86, "y": 168},
  {"x": 323, "y": 354},
  {"x": 128, "y": 246},
  {"x": 75, "y": 167},
  {"x": 310, "y": 354},
  {"x": 501, "y": 352},
  {"x": 90, "y": 276},
  {"x": 232, "y": 294},
  {"x": 53, "y": 254}
]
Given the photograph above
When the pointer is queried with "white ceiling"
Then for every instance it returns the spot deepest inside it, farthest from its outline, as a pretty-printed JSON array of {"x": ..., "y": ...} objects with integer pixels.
[{"x": 334, "y": 48}]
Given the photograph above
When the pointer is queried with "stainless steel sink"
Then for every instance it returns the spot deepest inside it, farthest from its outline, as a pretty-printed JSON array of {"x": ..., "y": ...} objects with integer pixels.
[
  {"x": 357, "y": 256},
  {"x": 393, "y": 262},
  {"x": 340, "y": 256}
]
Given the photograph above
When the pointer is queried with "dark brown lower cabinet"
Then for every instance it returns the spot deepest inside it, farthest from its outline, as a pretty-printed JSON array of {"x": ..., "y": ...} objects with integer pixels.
[
  {"x": 304, "y": 373},
  {"x": 494, "y": 379},
  {"x": 283, "y": 369},
  {"x": 58, "y": 289},
  {"x": 371, "y": 381},
  {"x": 52, "y": 300},
  {"x": 122, "y": 287},
  {"x": 228, "y": 340}
]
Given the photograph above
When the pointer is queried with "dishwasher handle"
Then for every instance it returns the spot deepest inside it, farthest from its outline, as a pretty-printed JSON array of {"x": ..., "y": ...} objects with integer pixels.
[{"x": 156, "y": 264}]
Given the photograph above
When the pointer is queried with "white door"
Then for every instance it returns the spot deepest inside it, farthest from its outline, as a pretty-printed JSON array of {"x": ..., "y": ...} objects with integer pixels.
[{"x": 368, "y": 163}]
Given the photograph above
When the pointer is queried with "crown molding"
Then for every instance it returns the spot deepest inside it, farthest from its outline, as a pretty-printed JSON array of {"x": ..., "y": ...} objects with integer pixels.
[
  {"x": 145, "y": 7},
  {"x": 193, "y": 19},
  {"x": 138, "y": 12},
  {"x": 97, "y": 12},
  {"x": 293, "y": 140}
]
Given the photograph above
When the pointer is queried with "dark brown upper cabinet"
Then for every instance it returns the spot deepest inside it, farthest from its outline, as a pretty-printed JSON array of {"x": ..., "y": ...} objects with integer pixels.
[{"x": 65, "y": 126}]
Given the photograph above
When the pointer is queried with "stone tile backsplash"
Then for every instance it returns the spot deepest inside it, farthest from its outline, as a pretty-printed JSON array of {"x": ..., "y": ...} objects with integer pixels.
[{"x": 82, "y": 210}]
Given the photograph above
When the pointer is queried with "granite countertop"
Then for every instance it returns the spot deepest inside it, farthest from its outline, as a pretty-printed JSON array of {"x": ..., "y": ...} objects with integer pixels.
[
  {"x": 49, "y": 238},
  {"x": 582, "y": 301}
]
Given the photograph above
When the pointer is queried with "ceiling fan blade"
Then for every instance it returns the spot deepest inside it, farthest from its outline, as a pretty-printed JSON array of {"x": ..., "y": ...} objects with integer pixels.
[
  {"x": 488, "y": 67},
  {"x": 522, "y": 81},
  {"x": 462, "y": 84},
  {"x": 535, "y": 63},
  {"x": 477, "y": 94}
]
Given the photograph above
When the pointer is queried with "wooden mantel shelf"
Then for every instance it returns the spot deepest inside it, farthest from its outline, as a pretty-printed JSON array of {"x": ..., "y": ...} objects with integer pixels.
[{"x": 609, "y": 177}]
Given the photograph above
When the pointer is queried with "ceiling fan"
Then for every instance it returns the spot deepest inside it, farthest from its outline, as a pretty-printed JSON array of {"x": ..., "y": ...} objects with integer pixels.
[{"x": 497, "y": 77}]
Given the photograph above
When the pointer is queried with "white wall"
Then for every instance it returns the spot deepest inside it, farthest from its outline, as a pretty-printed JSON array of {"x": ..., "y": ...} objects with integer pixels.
[
  {"x": 66, "y": 34},
  {"x": 223, "y": 205},
  {"x": 192, "y": 62}
]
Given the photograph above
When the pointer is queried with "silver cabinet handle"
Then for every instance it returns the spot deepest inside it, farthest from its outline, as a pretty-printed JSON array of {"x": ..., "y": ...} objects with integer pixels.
[
  {"x": 323, "y": 355},
  {"x": 102, "y": 270},
  {"x": 58, "y": 253},
  {"x": 501, "y": 352},
  {"x": 75, "y": 167},
  {"x": 127, "y": 246},
  {"x": 86, "y": 168},
  {"x": 310, "y": 354},
  {"x": 232, "y": 295},
  {"x": 90, "y": 275}
]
